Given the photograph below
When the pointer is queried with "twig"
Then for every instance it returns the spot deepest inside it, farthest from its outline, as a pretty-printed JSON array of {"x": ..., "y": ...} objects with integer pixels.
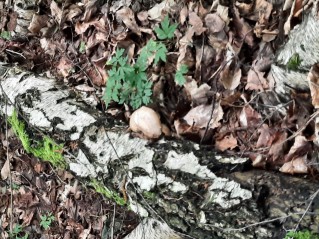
[
  {"x": 113, "y": 220},
  {"x": 309, "y": 204},
  {"x": 10, "y": 174},
  {"x": 256, "y": 224},
  {"x": 314, "y": 115}
]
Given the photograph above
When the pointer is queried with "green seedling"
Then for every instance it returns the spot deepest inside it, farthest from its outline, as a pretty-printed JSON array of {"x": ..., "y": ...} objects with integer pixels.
[
  {"x": 129, "y": 83},
  {"x": 5, "y": 35},
  {"x": 301, "y": 235},
  {"x": 294, "y": 62},
  {"x": 179, "y": 75},
  {"x": 46, "y": 220},
  {"x": 16, "y": 231},
  {"x": 166, "y": 31},
  {"x": 82, "y": 47}
]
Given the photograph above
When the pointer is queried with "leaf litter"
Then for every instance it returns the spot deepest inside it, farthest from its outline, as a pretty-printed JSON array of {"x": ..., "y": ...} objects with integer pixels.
[{"x": 220, "y": 101}]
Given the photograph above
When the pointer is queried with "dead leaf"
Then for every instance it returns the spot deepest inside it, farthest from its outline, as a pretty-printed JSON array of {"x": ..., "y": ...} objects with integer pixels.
[
  {"x": 48, "y": 46},
  {"x": 183, "y": 15},
  {"x": 197, "y": 94},
  {"x": 127, "y": 16},
  {"x": 266, "y": 136},
  {"x": 73, "y": 11},
  {"x": 90, "y": 9},
  {"x": 157, "y": 12},
  {"x": 143, "y": 18},
  {"x": 243, "y": 29},
  {"x": 297, "y": 165},
  {"x": 201, "y": 115},
  {"x": 214, "y": 23},
  {"x": 56, "y": 12},
  {"x": 37, "y": 23},
  {"x": 269, "y": 36},
  {"x": 184, "y": 42},
  {"x": 65, "y": 66},
  {"x": 5, "y": 171},
  {"x": 277, "y": 148},
  {"x": 300, "y": 148},
  {"x": 313, "y": 80},
  {"x": 99, "y": 25},
  {"x": 230, "y": 76},
  {"x": 249, "y": 116},
  {"x": 256, "y": 79},
  {"x": 228, "y": 142},
  {"x": 197, "y": 23}
]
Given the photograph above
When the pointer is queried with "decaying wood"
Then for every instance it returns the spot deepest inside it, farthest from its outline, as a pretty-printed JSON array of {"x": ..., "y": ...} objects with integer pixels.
[
  {"x": 304, "y": 41},
  {"x": 181, "y": 190},
  {"x": 193, "y": 190}
]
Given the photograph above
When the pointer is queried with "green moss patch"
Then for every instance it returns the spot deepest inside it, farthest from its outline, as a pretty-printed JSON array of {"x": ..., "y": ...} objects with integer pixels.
[
  {"x": 101, "y": 188},
  {"x": 47, "y": 150}
]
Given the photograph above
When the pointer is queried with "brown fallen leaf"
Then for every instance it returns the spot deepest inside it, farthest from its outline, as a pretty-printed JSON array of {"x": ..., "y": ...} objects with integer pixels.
[
  {"x": 57, "y": 12},
  {"x": 127, "y": 16},
  {"x": 228, "y": 142},
  {"x": 297, "y": 165},
  {"x": 277, "y": 149},
  {"x": 256, "y": 79},
  {"x": 157, "y": 12},
  {"x": 183, "y": 15},
  {"x": 197, "y": 23},
  {"x": 214, "y": 23},
  {"x": 37, "y": 23},
  {"x": 248, "y": 116},
  {"x": 65, "y": 66},
  {"x": 201, "y": 116},
  {"x": 5, "y": 171},
  {"x": 198, "y": 95},
  {"x": 91, "y": 8},
  {"x": 266, "y": 136},
  {"x": 313, "y": 80},
  {"x": 230, "y": 76}
]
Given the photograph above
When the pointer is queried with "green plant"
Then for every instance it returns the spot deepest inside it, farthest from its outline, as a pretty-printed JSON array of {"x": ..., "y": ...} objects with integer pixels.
[
  {"x": 82, "y": 47},
  {"x": 179, "y": 75},
  {"x": 17, "y": 229},
  {"x": 129, "y": 83},
  {"x": 15, "y": 186},
  {"x": 166, "y": 31},
  {"x": 46, "y": 220},
  {"x": 5, "y": 35},
  {"x": 46, "y": 150},
  {"x": 149, "y": 195},
  {"x": 294, "y": 62},
  {"x": 101, "y": 188},
  {"x": 301, "y": 235}
]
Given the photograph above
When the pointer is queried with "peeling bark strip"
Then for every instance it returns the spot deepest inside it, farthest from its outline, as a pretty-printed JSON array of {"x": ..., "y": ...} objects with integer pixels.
[{"x": 195, "y": 191}]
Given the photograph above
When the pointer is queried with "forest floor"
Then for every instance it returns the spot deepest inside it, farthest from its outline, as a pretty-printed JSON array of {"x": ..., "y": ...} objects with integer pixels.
[{"x": 203, "y": 67}]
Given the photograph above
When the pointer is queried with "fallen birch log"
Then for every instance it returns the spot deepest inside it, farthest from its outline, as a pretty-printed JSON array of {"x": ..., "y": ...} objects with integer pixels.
[{"x": 181, "y": 189}]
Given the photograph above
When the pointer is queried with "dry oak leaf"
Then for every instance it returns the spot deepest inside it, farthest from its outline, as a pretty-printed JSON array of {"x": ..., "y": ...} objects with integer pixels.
[
  {"x": 297, "y": 165},
  {"x": 230, "y": 78},
  {"x": 277, "y": 149},
  {"x": 214, "y": 23},
  {"x": 228, "y": 142},
  {"x": 127, "y": 16},
  {"x": 313, "y": 80},
  {"x": 201, "y": 116},
  {"x": 248, "y": 116},
  {"x": 266, "y": 136},
  {"x": 256, "y": 80},
  {"x": 197, "y": 23}
]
